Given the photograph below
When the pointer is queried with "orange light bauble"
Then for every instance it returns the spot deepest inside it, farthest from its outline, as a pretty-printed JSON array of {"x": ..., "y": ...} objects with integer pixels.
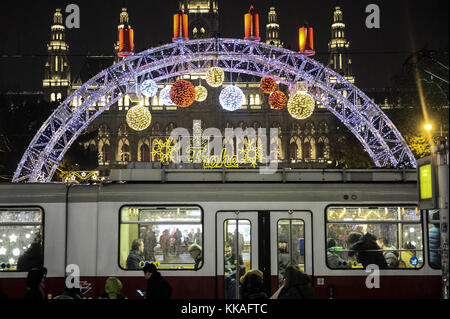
[
  {"x": 182, "y": 93},
  {"x": 268, "y": 85},
  {"x": 277, "y": 100}
]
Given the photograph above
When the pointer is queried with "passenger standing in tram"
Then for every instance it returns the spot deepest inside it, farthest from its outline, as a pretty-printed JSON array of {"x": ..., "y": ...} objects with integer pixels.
[
  {"x": 283, "y": 254},
  {"x": 198, "y": 237},
  {"x": 157, "y": 286},
  {"x": 32, "y": 257},
  {"x": 389, "y": 252},
  {"x": 177, "y": 242},
  {"x": 252, "y": 285},
  {"x": 196, "y": 253},
  {"x": 36, "y": 283},
  {"x": 164, "y": 242},
  {"x": 232, "y": 271},
  {"x": 149, "y": 244},
  {"x": 135, "y": 257},
  {"x": 295, "y": 285},
  {"x": 368, "y": 252},
  {"x": 434, "y": 239}
]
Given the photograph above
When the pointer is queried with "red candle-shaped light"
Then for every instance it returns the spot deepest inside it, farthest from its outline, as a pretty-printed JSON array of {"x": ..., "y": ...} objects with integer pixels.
[
  {"x": 306, "y": 40},
  {"x": 126, "y": 42},
  {"x": 251, "y": 20},
  {"x": 180, "y": 26}
]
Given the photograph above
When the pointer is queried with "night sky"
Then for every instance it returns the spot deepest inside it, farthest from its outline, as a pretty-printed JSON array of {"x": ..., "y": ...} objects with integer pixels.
[{"x": 406, "y": 26}]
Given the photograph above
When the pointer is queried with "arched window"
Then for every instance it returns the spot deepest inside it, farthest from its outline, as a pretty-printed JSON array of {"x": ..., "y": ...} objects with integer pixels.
[
  {"x": 306, "y": 150},
  {"x": 252, "y": 99},
  {"x": 105, "y": 153},
  {"x": 194, "y": 31},
  {"x": 320, "y": 150},
  {"x": 257, "y": 100},
  {"x": 144, "y": 153},
  {"x": 52, "y": 97},
  {"x": 125, "y": 153}
]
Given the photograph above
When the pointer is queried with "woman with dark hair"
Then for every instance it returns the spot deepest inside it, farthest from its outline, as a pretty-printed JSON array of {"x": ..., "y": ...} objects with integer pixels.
[
  {"x": 295, "y": 285},
  {"x": 35, "y": 283}
]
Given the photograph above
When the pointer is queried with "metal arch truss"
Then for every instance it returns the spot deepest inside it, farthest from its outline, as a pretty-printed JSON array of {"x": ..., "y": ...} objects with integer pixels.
[{"x": 365, "y": 119}]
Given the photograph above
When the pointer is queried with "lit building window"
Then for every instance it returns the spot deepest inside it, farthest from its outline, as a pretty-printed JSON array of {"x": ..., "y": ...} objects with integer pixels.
[{"x": 257, "y": 100}]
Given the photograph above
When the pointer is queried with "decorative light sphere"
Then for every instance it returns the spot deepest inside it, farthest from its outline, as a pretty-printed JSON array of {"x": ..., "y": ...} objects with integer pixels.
[
  {"x": 149, "y": 88},
  {"x": 277, "y": 100},
  {"x": 164, "y": 96},
  {"x": 200, "y": 93},
  {"x": 301, "y": 105},
  {"x": 182, "y": 93},
  {"x": 231, "y": 98},
  {"x": 268, "y": 84},
  {"x": 215, "y": 77},
  {"x": 139, "y": 118}
]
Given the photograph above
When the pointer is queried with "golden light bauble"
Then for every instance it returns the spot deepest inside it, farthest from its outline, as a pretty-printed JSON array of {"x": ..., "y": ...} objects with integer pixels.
[
  {"x": 182, "y": 93},
  {"x": 277, "y": 100},
  {"x": 139, "y": 118},
  {"x": 200, "y": 93},
  {"x": 215, "y": 77},
  {"x": 268, "y": 84},
  {"x": 301, "y": 105}
]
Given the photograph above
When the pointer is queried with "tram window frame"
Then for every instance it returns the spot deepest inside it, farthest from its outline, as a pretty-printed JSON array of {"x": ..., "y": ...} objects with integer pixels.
[
  {"x": 327, "y": 222},
  {"x": 202, "y": 224},
  {"x": 290, "y": 252},
  {"x": 429, "y": 222},
  {"x": 42, "y": 224}
]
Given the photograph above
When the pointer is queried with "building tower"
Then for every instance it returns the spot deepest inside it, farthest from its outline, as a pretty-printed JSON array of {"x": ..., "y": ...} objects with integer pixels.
[
  {"x": 338, "y": 47},
  {"x": 56, "y": 83},
  {"x": 273, "y": 29},
  {"x": 124, "y": 23},
  {"x": 203, "y": 18}
]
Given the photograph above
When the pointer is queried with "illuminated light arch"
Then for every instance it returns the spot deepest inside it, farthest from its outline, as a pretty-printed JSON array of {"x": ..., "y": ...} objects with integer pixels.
[{"x": 365, "y": 120}]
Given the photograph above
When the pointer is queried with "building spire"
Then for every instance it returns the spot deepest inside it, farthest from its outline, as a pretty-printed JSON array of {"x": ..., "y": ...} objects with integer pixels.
[
  {"x": 273, "y": 28},
  {"x": 339, "y": 46},
  {"x": 56, "y": 82}
]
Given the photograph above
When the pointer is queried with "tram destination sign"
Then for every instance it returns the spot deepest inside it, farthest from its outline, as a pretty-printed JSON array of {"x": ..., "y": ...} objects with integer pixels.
[{"x": 426, "y": 183}]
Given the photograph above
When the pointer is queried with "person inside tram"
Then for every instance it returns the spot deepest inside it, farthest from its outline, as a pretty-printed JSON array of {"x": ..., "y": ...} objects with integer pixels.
[
  {"x": 408, "y": 251},
  {"x": 434, "y": 238},
  {"x": 196, "y": 253},
  {"x": 177, "y": 240},
  {"x": 390, "y": 253},
  {"x": 283, "y": 254},
  {"x": 367, "y": 251},
  {"x": 198, "y": 237},
  {"x": 32, "y": 257},
  {"x": 149, "y": 244},
  {"x": 231, "y": 271},
  {"x": 333, "y": 259},
  {"x": 164, "y": 242},
  {"x": 135, "y": 257}
]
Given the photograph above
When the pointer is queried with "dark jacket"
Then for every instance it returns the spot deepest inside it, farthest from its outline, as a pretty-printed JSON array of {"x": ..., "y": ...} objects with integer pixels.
[
  {"x": 158, "y": 287},
  {"x": 31, "y": 258},
  {"x": 198, "y": 262},
  {"x": 368, "y": 252},
  {"x": 35, "y": 288},
  {"x": 252, "y": 288},
  {"x": 134, "y": 259},
  {"x": 435, "y": 243},
  {"x": 301, "y": 289}
]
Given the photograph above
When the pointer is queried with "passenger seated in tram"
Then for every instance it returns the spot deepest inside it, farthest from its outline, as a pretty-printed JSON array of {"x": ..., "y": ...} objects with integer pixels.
[
  {"x": 232, "y": 271},
  {"x": 135, "y": 257},
  {"x": 366, "y": 250},
  {"x": 333, "y": 259},
  {"x": 196, "y": 253},
  {"x": 390, "y": 253},
  {"x": 409, "y": 251}
]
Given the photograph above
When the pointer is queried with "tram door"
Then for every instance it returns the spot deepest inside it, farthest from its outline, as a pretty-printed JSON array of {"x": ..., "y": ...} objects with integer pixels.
[
  {"x": 291, "y": 243},
  {"x": 236, "y": 251}
]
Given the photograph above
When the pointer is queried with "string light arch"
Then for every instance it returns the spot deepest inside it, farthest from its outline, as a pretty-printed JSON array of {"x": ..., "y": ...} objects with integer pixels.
[{"x": 363, "y": 117}]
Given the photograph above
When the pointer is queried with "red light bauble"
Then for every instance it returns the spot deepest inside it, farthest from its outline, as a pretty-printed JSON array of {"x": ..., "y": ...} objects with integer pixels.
[
  {"x": 277, "y": 100},
  {"x": 268, "y": 85},
  {"x": 182, "y": 93}
]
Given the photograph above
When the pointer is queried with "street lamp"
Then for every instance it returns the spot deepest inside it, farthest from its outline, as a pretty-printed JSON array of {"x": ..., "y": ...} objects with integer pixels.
[{"x": 428, "y": 127}]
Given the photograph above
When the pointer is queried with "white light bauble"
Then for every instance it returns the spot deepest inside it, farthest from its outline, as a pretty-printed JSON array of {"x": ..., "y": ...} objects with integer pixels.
[
  {"x": 149, "y": 88},
  {"x": 215, "y": 77},
  {"x": 231, "y": 98},
  {"x": 301, "y": 105},
  {"x": 164, "y": 96},
  {"x": 200, "y": 93},
  {"x": 139, "y": 118}
]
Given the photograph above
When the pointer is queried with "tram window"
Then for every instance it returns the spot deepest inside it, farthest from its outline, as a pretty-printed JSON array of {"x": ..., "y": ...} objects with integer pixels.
[
  {"x": 291, "y": 245},
  {"x": 237, "y": 254},
  {"x": 21, "y": 239},
  {"x": 396, "y": 230},
  {"x": 166, "y": 235},
  {"x": 434, "y": 240}
]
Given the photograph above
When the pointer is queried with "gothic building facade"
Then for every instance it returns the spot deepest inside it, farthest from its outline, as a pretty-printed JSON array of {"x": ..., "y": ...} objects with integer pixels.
[{"x": 301, "y": 144}]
